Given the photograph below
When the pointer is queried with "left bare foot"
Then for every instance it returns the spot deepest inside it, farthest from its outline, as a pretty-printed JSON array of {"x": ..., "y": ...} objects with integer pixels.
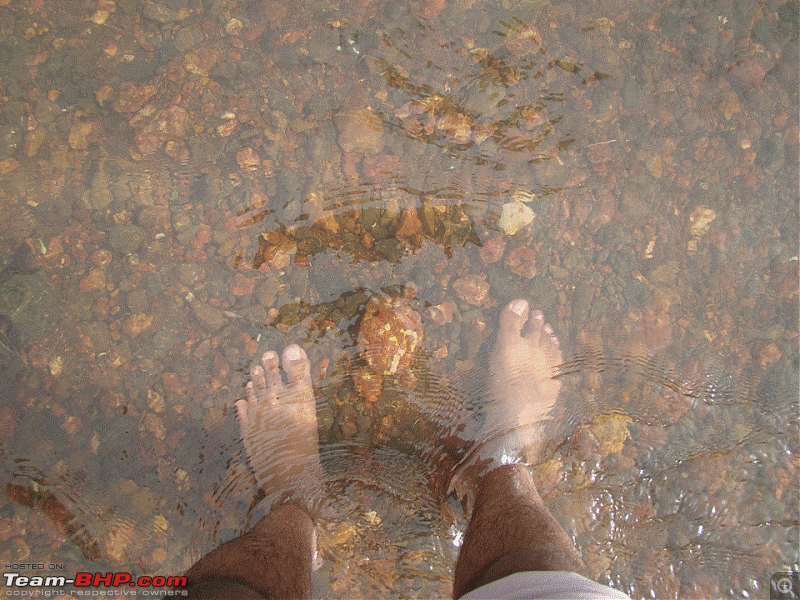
[{"x": 278, "y": 423}]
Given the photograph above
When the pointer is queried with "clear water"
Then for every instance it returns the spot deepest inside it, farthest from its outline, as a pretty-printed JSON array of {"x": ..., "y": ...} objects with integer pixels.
[{"x": 185, "y": 185}]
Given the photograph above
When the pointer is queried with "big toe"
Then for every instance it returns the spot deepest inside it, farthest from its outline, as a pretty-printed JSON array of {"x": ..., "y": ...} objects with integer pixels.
[
  {"x": 513, "y": 318},
  {"x": 298, "y": 369}
]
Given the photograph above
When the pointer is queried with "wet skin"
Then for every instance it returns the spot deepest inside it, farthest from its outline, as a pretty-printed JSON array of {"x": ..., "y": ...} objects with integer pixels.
[{"x": 510, "y": 529}]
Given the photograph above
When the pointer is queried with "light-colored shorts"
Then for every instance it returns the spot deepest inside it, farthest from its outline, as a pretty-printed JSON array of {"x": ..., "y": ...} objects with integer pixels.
[{"x": 544, "y": 585}]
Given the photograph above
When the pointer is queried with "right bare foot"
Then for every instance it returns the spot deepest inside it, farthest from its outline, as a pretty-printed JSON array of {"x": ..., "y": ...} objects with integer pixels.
[
  {"x": 278, "y": 423},
  {"x": 521, "y": 391}
]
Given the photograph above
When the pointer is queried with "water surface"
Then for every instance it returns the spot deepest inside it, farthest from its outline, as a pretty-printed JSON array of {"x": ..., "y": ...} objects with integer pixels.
[{"x": 185, "y": 185}]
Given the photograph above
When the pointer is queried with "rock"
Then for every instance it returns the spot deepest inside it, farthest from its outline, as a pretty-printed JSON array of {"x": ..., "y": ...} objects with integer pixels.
[
  {"x": 522, "y": 261},
  {"x": 31, "y": 304},
  {"x": 126, "y": 238},
  {"x": 81, "y": 134},
  {"x": 188, "y": 37},
  {"x": 552, "y": 173},
  {"x": 119, "y": 534},
  {"x": 190, "y": 274},
  {"x": 410, "y": 223},
  {"x": 200, "y": 61},
  {"x": 605, "y": 435},
  {"x": 155, "y": 219},
  {"x": 514, "y": 217},
  {"x": 137, "y": 301},
  {"x": 443, "y": 313},
  {"x": 99, "y": 195},
  {"x": 665, "y": 273},
  {"x": 472, "y": 289},
  {"x": 131, "y": 98},
  {"x": 360, "y": 130},
  {"x": 242, "y": 285},
  {"x": 135, "y": 324},
  {"x": 94, "y": 281},
  {"x": 456, "y": 126},
  {"x": 492, "y": 250},
  {"x": 748, "y": 73},
  {"x": 700, "y": 219},
  {"x": 349, "y": 428},
  {"x": 154, "y": 129},
  {"x": 211, "y": 318},
  {"x": 267, "y": 290},
  {"x": 163, "y": 14},
  {"x": 322, "y": 45},
  {"x": 101, "y": 257},
  {"x": 389, "y": 334}
]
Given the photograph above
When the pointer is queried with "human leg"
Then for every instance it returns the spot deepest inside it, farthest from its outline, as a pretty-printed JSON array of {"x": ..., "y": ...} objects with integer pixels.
[
  {"x": 511, "y": 529},
  {"x": 279, "y": 428}
]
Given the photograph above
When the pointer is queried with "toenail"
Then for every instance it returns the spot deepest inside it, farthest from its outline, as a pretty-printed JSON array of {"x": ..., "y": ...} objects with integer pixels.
[
  {"x": 518, "y": 306},
  {"x": 293, "y": 352},
  {"x": 548, "y": 329}
]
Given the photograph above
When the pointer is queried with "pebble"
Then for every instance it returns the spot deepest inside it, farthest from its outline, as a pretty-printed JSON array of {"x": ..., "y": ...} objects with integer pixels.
[
  {"x": 472, "y": 289},
  {"x": 163, "y": 14},
  {"x": 515, "y": 216},
  {"x": 94, "y": 281},
  {"x": 99, "y": 194},
  {"x": 101, "y": 257},
  {"x": 748, "y": 73},
  {"x": 190, "y": 273},
  {"x": 126, "y": 238},
  {"x": 211, "y": 318},
  {"x": 492, "y": 250},
  {"x": 700, "y": 220},
  {"x": 522, "y": 261},
  {"x": 410, "y": 223},
  {"x": 137, "y": 301},
  {"x": 360, "y": 131},
  {"x": 242, "y": 285},
  {"x": 133, "y": 325}
]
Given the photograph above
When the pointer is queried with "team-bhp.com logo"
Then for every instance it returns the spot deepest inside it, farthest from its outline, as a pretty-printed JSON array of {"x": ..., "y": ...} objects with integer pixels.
[{"x": 161, "y": 583}]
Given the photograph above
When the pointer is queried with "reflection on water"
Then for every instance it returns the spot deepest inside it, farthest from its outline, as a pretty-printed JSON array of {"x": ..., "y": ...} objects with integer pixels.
[{"x": 185, "y": 185}]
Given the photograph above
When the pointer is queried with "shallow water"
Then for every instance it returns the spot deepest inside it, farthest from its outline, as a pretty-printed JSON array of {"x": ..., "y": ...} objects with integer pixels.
[{"x": 197, "y": 183}]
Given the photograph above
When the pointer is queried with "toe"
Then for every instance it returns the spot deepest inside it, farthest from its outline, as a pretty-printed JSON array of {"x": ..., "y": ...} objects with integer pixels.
[
  {"x": 550, "y": 344},
  {"x": 257, "y": 387},
  {"x": 272, "y": 374},
  {"x": 295, "y": 363},
  {"x": 513, "y": 318},
  {"x": 534, "y": 328},
  {"x": 241, "y": 410}
]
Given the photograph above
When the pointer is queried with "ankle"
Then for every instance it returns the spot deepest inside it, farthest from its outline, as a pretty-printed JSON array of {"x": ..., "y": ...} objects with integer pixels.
[{"x": 506, "y": 484}]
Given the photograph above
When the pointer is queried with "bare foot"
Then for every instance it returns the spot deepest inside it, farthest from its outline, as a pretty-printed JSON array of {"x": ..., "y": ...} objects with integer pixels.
[
  {"x": 278, "y": 423},
  {"x": 521, "y": 391}
]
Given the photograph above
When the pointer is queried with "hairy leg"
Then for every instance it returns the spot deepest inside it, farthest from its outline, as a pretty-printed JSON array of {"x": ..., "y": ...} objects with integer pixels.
[
  {"x": 510, "y": 529},
  {"x": 278, "y": 425}
]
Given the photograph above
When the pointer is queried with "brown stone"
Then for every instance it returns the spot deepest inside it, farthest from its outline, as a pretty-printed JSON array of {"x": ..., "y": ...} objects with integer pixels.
[
  {"x": 242, "y": 285},
  {"x": 522, "y": 261},
  {"x": 410, "y": 223},
  {"x": 471, "y": 289},
  {"x": 137, "y": 323},
  {"x": 94, "y": 281},
  {"x": 493, "y": 249},
  {"x": 360, "y": 131}
]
